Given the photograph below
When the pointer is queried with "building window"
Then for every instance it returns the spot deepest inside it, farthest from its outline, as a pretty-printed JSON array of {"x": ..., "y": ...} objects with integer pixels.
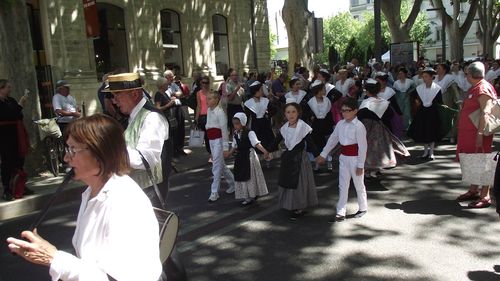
[
  {"x": 354, "y": 3},
  {"x": 221, "y": 44},
  {"x": 171, "y": 39}
]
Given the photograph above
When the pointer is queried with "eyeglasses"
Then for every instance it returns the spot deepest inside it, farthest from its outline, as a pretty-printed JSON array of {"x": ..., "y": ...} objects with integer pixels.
[
  {"x": 346, "y": 110},
  {"x": 71, "y": 151}
]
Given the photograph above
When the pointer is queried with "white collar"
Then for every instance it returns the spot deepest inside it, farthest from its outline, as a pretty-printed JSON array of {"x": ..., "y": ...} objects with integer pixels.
[
  {"x": 297, "y": 97},
  {"x": 300, "y": 132},
  {"x": 313, "y": 104},
  {"x": 403, "y": 86},
  {"x": 376, "y": 105},
  {"x": 136, "y": 109},
  {"x": 427, "y": 95},
  {"x": 387, "y": 93},
  {"x": 257, "y": 107}
]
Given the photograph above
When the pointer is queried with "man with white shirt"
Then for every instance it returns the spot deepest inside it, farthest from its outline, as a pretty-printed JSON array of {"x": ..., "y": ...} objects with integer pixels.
[
  {"x": 64, "y": 105},
  {"x": 146, "y": 133},
  {"x": 493, "y": 73}
]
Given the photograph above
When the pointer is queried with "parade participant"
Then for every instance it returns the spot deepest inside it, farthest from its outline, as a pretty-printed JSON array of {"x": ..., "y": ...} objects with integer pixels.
[
  {"x": 202, "y": 108},
  {"x": 351, "y": 134},
  {"x": 235, "y": 94},
  {"x": 147, "y": 132},
  {"x": 166, "y": 104},
  {"x": 297, "y": 189},
  {"x": 343, "y": 85},
  {"x": 249, "y": 179},
  {"x": 383, "y": 146},
  {"x": 387, "y": 93},
  {"x": 321, "y": 119},
  {"x": 219, "y": 145},
  {"x": 298, "y": 95},
  {"x": 403, "y": 86},
  {"x": 64, "y": 105},
  {"x": 116, "y": 235},
  {"x": 417, "y": 78},
  {"x": 331, "y": 93},
  {"x": 14, "y": 143},
  {"x": 425, "y": 127},
  {"x": 472, "y": 139},
  {"x": 260, "y": 111},
  {"x": 451, "y": 98}
]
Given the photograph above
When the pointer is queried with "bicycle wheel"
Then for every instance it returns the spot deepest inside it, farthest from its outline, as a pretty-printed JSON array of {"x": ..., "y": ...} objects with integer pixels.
[{"x": 52, "y": 155}]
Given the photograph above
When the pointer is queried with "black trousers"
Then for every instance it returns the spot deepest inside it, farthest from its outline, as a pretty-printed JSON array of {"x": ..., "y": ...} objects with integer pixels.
[
  {"x": 202, "y": 122},
  {"x": 11, "y": 162}
]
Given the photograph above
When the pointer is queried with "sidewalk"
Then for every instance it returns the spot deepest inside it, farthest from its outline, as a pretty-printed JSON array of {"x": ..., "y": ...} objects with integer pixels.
[{"x": 45, "y": 186}]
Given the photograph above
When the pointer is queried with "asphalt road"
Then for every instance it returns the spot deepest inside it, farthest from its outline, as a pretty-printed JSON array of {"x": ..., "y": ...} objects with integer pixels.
[{"x": 414, "y": 230}]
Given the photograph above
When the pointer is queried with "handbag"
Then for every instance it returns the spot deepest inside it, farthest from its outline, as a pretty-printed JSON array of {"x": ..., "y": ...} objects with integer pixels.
[
  {"x": 196, "y": 137},
  {"x": 478, "y": 168},
  {"x": 492, "y": 119}
]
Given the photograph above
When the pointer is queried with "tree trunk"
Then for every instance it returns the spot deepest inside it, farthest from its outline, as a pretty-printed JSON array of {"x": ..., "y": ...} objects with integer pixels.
[
  {"x": 456, "y": 32},
  {"x": 489, "y": 30},
  {"x": 295, "y": 16},
  {"x": 400, "y": 31}
]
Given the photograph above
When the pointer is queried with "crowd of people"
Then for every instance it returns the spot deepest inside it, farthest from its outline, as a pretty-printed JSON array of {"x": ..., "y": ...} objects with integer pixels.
[{"x": 358, "y": 114}]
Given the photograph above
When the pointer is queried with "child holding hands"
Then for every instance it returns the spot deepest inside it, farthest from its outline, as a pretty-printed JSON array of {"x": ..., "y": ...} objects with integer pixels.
[
  {"x": 351, "y": 134},
  {"x": 249, "y": 179}
]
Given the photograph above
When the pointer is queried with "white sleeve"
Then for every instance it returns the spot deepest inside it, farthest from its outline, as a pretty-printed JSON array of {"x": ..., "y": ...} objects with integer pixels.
[
  {"x": 56, "y": 102},
  {"x": 331, "y": 143},
  {"x": 222, "y": 118},
  {"x": 253, "y": 138},
  {"x": 362, "y": 144},
  {"x": 153, "y": 133},
  {"x": 131, "y": 232}
]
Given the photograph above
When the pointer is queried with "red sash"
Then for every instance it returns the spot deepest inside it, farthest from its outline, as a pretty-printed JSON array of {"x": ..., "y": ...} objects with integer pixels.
[
  {"x": 23, "y": 142},
  {"x": 214, "y": 133},
  {"x": 349, "y": 150}
]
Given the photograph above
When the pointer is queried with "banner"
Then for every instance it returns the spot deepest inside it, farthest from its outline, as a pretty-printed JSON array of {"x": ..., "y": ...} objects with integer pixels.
[{"x": 91, "y": 18}]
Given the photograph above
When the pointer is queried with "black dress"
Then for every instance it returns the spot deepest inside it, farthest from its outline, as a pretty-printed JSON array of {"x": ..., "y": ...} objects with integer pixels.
[
  {"x": 426, "y": 125},
  {"x": 262, "y": 126},
  {"x": 12, "y": 160}
]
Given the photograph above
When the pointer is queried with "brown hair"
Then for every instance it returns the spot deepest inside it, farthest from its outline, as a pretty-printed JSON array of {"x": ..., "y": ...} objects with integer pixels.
[
  {"x": 295, "y": 105},
  {"x": 3, "y": 83},
  {"x": 104, "y": 138}
]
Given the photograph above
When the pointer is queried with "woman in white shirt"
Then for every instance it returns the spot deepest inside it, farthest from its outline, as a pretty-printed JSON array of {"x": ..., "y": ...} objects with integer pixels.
[
  {"x": 111, "y": 240},
  {"x": 403, "y": 87}
]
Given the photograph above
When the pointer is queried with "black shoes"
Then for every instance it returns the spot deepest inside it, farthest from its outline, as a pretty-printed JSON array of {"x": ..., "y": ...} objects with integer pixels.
[
  {"x": 359, "y": 214},
  {"x": 337, "y": 218},
  {"x": 8, "y": 197},
  {"x": 296, "y": 214}
]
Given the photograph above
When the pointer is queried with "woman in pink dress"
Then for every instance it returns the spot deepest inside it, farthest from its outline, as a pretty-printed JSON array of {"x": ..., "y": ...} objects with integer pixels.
[{"x": 471, "y": 139}]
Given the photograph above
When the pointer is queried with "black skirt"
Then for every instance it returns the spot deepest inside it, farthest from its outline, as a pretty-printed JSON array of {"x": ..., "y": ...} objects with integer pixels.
[
  {"x": 321, "y": 129},
  {"x": 263, "y": 131},
  {"x": 425, "y": 127}
]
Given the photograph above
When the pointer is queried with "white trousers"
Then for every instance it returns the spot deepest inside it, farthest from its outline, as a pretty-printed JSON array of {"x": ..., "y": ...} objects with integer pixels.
[
  {"x": 219, "y": 167},
  {"x": 347, "y": 170}
]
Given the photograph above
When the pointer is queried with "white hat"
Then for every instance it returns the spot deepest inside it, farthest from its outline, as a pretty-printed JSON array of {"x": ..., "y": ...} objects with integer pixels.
[
  {"x": 371, "y": 81},
  {"x": 290, "y": 100},
  {"x": 242, "y": 117},
  {"x": 316, "y": 82},
  {"x": 381, "y": 74},
  {"x": 323, "y": 70},
  {"x": 256, "y": 83}
]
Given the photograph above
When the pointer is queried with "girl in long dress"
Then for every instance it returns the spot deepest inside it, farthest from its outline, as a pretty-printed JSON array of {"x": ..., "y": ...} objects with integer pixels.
[
  {"x": 321, "y": 119},
  {"x": 425, "y": 127},
  {"x": 248, "y": 177},
  {"x": 403, "y": 86},
  {"x": 297, "y": 189},
  {"x": 387, "y": 93},
  {"x": 451, "y": 98},
  {"x": 383, "y": 146},
  {"x": 260, "y": 110}
]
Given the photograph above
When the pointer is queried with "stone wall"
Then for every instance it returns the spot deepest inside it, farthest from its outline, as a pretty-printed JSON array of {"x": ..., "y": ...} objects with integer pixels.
[{"x": 72, "y": 54}]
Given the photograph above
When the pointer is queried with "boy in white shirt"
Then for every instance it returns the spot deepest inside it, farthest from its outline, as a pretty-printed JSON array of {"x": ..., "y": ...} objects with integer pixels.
[{"x": 351, "y": 134}]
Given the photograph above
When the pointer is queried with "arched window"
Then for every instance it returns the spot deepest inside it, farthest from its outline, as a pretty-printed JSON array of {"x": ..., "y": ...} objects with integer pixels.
[
  {"x": 221, "y": 44},
  {"x": 171, "y": 39}
]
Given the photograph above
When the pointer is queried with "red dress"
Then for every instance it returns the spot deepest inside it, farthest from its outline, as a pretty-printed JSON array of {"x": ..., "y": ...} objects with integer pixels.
[{"x": 467, "y": 132}]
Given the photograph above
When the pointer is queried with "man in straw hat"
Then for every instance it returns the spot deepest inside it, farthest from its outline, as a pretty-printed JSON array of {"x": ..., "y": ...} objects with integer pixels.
[{"x": 146, "y": 133}]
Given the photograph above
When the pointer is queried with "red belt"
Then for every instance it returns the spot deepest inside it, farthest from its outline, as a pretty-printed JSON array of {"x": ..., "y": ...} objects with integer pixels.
[
  {"x": 22, "y": 136},
  {"x": 349, "y": 150},
  {"x": 214, "y": 133}
]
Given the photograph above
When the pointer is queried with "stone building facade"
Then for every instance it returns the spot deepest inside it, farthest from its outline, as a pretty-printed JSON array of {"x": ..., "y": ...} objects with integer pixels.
[{"x": 43, "y": 41}]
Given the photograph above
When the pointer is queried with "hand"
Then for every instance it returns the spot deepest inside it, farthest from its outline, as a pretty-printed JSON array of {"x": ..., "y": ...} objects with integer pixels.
[
  {"x": 359, "y": 171},
  {"x": 320, "y": 160},
  {"x": 36, "y": 249},
  {"x": 479, "y": 141},
  {"x": 76, "y": 114},
  {"x": 23, "y": 99},
  {"x": 267, "y": 156}
]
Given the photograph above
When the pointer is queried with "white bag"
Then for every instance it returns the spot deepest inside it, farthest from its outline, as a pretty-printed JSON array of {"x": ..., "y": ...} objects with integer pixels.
[
  {"x": 196, "y": 137},
  {"x": 478, "y": 168}
]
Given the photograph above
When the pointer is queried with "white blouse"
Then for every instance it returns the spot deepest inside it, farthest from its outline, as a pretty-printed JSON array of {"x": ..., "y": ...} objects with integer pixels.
[
  {"x": 344, "y": 87},
  {"x": 217, "y": 118},
  {"x": 320, "y": 109},
  {"x": 251, "y": 135},
  {"x": 403, "y": 87},
  {"x": 298, "y": 97},
  {"x": 426, "y": 94},
  {"x": 116, "y": 233}
]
